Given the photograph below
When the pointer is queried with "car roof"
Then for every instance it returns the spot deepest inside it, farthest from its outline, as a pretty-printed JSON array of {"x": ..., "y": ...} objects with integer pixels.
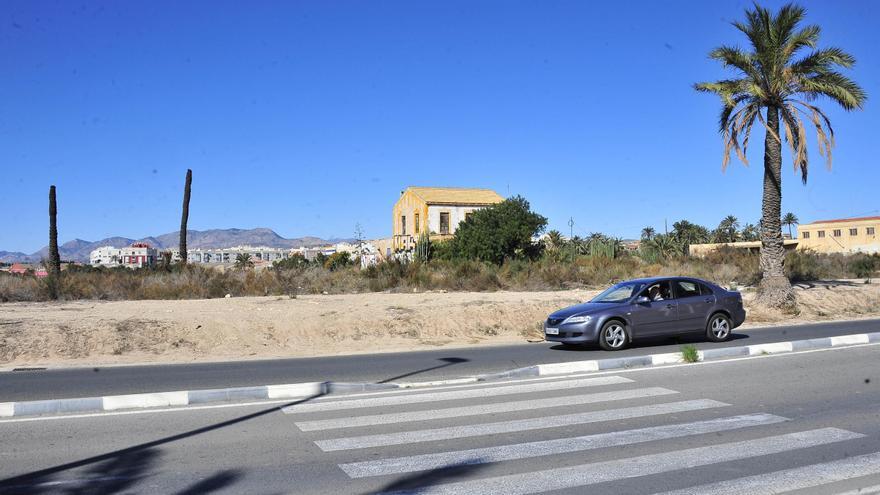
[{"x": 648, "y": 280}]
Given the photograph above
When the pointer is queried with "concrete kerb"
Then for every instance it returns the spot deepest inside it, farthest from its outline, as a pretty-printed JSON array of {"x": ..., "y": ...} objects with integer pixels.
[
  {"x": 311, "y": 389},
  {"x": 708, "y": 354}
]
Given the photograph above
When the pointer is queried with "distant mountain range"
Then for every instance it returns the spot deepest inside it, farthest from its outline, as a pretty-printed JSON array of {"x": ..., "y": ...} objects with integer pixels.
[{"x": 78, "y": 249}]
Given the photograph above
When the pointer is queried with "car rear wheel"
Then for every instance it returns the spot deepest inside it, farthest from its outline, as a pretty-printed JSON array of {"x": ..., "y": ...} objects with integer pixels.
[
  {"x": 613, "y": 336},
  {"x": 718, "y": 328}
]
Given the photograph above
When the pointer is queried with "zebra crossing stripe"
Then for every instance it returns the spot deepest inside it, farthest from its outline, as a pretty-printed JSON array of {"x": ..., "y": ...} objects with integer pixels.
[
  {"x": 455, "y": 394},
  {"x": 528, "y": 450},
  {"x": 502, "y": 407},
  {"x": 565, "y": 420},
  {"x": 793, "y": 479},
  {"x": 600, "y": 472}
]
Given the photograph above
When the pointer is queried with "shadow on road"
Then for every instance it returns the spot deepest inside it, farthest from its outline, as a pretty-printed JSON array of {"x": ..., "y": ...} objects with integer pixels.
[
  {"x": 120, "y": 470},
  {"x": 447, "y": 361},
  {"x": 434, "y": 476}
]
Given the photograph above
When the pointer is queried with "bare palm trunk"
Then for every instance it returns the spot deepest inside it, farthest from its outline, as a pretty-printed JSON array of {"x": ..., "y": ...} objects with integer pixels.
[
  {"x": 54, "y": 256},
  {"x": 185, "y": 216},
  {"x": 774, "y": 289}
]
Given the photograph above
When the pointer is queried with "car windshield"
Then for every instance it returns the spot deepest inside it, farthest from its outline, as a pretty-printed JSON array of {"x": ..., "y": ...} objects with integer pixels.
[{"x": 618, "y": 293}]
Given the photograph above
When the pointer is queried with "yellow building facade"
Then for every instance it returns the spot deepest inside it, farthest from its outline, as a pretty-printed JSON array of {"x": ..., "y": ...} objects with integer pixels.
[
  {"x": 846, "y": 235},
  {"x": 435, "y": 210}
]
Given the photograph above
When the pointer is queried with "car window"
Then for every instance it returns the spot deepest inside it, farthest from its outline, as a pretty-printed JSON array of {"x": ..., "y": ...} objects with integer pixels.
[
  {"x": 706, "y": 290},
  {"x": 618, "y": 293},
  {"x": 658, "y": 291},
  {"x": 686, "y": 288}
]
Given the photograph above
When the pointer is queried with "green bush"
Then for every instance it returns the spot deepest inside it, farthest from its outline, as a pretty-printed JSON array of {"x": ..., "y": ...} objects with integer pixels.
[
  {"x": 337, "y": 260},
  {"x": 501, "y": 231},
  {"x": 864, "y": 266}
]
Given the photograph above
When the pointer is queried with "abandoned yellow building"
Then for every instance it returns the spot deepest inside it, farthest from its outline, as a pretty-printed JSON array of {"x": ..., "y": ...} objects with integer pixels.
[
  {"x": 435, "y": 210},
  {"x": 845, "y": 235}
]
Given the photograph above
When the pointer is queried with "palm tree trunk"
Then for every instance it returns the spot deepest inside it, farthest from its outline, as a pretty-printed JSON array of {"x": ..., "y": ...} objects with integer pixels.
[
  {"x": 774, "y": 289},
  {"x": 185, "y": 216},
  {"x": 54, "y": 256}
]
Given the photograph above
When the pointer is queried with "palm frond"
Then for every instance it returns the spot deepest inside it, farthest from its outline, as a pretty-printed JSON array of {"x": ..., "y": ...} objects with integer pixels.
[{"x": 839, "y": 88}]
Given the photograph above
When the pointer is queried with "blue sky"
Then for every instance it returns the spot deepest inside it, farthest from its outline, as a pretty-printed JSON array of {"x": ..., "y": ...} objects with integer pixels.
[{"x": 308, "y": 117}]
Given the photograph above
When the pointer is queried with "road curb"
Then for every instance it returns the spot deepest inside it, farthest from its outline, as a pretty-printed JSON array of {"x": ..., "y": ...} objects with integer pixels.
[
  {"x": 291, "y": 391},
  {"x": 707, "y": 355},
  {"x": 296, "y": 391}
]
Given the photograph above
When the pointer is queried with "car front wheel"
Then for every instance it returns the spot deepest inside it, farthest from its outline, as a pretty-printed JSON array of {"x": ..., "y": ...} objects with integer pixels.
[
  {"x": 613, "y": 336},
  {"x": 718, "y": 328}
]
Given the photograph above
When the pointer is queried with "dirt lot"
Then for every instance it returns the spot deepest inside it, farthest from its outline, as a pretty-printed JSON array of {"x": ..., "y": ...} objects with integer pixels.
[{"x": 94, "y": 332}]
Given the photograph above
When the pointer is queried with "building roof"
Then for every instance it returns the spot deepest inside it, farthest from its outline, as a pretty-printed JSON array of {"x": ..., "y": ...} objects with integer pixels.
[
  {"x": 456, "y": 195},
  {"x": 844, "y": 220}
]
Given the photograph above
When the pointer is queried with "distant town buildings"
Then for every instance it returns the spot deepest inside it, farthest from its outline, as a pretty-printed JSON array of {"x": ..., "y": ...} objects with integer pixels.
[
  {"x": 141, "y": 255},
  {"x": 435, "y": 210},
  {"x": 138, "y": 255}
]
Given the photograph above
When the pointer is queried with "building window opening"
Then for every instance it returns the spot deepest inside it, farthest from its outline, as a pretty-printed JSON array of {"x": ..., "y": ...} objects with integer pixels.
[
  {"x": 836, "y": 232},
  {"x": 416, "y": 223},
  {"x": 444, "y": 223},
  {"x": 806, "y": 235},
  {"x": 821, "y": 233},
  {"x": 853, "y": 231},
  {"x": 870, "y": 230},
  {"x": 403, "y": 225}
]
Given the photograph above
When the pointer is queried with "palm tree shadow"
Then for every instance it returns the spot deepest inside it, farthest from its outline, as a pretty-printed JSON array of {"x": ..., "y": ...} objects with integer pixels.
[
  {"x": 434, "y": 476},
  {"x": 447, "y": 361},
  {"x": 117, "y": 471}
]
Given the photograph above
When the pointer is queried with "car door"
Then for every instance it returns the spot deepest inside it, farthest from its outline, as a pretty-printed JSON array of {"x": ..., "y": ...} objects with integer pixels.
[
  {"x": 694, "y": 302},
  {"x": 654, "y": 317}
]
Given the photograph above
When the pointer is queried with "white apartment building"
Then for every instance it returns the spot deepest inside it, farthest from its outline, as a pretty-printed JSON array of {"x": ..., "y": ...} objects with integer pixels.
[{"x": 138, "y": 255}]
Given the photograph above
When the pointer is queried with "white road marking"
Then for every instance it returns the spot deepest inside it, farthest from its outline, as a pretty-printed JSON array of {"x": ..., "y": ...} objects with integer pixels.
[
  {"x": 565, "y": 420},
  {"x": 502, "y": 407},
  {"x": 869, "y": 490},
  {"x": 793, "y": 479},
  {"x": 456, "y": 394},
  {"x": 600, "y": 472},
  {"x": 438, "y": 460}
]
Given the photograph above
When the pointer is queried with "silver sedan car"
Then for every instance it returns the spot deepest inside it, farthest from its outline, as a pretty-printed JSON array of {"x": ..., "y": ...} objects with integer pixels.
[{"x": 648, "y": 307}]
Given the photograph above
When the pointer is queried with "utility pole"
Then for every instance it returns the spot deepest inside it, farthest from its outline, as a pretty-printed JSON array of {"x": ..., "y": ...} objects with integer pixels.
[{"x": 570, "y": 228}]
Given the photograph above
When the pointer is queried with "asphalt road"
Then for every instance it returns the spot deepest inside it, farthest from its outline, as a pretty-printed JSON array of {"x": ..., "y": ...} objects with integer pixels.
[
  {"x": 411, "y": 366},
  {"x": 807, "y": 422}
]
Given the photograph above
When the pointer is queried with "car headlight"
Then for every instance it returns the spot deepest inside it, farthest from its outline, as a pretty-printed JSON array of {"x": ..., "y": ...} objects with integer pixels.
[{"x": 578, "y": 319}]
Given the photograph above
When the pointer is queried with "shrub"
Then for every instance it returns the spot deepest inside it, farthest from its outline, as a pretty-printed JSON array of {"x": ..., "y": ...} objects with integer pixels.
[
  {"x": 337, "y": 260},
  {"x": 864, "y": 266},
  {"x": 501, "y": 231}
]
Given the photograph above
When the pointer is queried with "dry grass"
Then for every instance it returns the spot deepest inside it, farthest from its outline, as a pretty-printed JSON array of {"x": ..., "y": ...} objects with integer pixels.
[{"x": 725, "y": 267}]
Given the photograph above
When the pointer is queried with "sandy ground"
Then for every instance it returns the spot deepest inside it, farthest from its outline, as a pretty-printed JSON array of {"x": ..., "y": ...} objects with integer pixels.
[{"x": 96, "y": 332}]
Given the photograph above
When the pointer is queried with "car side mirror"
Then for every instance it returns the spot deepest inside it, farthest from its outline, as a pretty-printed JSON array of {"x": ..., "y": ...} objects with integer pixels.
[{"x": 642, "y": 300}]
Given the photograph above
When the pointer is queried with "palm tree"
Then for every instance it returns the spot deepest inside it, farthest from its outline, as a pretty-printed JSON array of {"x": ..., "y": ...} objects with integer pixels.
[
  {"x": 554, "y": 240},
  {"x": 749, "y": 233},
  {"x": 243, "y": 260},
  {"x": 774, "y": 79},
  {"x": 790, "y": 219},
  {"x": 727, "y": 229},
  {"x": 184, "y": 218},
  {"x": 648, "y": 233},
  {"x": 54, "y": 256}
]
